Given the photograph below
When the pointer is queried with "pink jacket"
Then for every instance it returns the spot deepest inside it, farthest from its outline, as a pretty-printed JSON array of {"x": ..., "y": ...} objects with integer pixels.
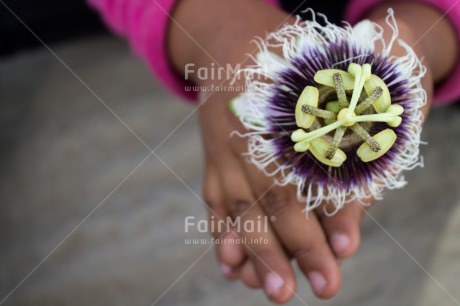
[{"x": 144, "y": 23}]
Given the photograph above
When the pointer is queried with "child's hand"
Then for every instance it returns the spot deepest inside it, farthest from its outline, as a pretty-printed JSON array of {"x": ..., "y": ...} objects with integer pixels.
[{"x": 235, "y": 188}]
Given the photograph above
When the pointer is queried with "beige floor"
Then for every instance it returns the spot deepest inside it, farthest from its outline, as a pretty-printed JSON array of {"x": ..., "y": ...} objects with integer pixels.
[{"x": 87, "y": 217}]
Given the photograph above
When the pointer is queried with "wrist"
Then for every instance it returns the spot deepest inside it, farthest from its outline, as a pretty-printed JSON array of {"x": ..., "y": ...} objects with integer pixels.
[
  {"x": 220, "y": 38},
  {"x": 409, "y": 36},
  {"x": 426, "y": 30}
]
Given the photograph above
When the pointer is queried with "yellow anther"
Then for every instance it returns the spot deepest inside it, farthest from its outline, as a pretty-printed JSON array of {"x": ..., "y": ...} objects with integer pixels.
[
  {"x": 319, "y": 148},
  {"x": 326, "y": 77},
  {"x": 385, "y": 139},
  {"x": 383, "y": 102},
  {"x": 309, "y": 96}
]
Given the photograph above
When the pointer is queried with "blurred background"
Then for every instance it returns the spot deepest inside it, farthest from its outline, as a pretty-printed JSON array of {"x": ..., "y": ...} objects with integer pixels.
[{"x": 89, "y": 217}]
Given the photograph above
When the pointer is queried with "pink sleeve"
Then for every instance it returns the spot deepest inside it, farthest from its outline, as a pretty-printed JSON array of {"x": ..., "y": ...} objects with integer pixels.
[
  {"x": 145, "y": 23},
  {"x": 449, "y": 90}
]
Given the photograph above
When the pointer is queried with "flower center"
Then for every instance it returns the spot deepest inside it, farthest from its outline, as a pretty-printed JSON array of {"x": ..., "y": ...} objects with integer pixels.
[
  {"x": 340, "y": 115},
  {"x": 346, "y": 115}
]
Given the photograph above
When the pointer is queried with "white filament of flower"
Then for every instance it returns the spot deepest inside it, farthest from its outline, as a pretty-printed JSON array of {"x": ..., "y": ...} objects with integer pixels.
[{"x": 340, "y": 115}]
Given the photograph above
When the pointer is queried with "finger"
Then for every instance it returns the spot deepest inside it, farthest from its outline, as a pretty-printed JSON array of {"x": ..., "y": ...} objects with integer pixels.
[
  {"x": 230, "y": 255},
  {"x": 343, "y": 228},
  {"x": 249, "y": 275},
  {"x": 269, "y": 259},
  {"x": 303, "y": 237}
]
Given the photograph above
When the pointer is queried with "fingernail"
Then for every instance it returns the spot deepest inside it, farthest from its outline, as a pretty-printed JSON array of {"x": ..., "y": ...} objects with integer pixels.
[
  {"x": 317, "y": 281},
  {"x": 273, "y": 284},
  {"x": 226, "y": 269},
  {"x": 340, "y": 242}
]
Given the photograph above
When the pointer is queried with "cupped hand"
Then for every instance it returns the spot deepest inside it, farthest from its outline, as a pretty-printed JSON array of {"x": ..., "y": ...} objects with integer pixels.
[{"x": 235, "y": 188}]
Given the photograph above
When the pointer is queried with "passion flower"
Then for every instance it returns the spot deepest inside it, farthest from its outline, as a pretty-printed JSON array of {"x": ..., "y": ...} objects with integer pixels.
[{"x": 336, "y": 118}]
